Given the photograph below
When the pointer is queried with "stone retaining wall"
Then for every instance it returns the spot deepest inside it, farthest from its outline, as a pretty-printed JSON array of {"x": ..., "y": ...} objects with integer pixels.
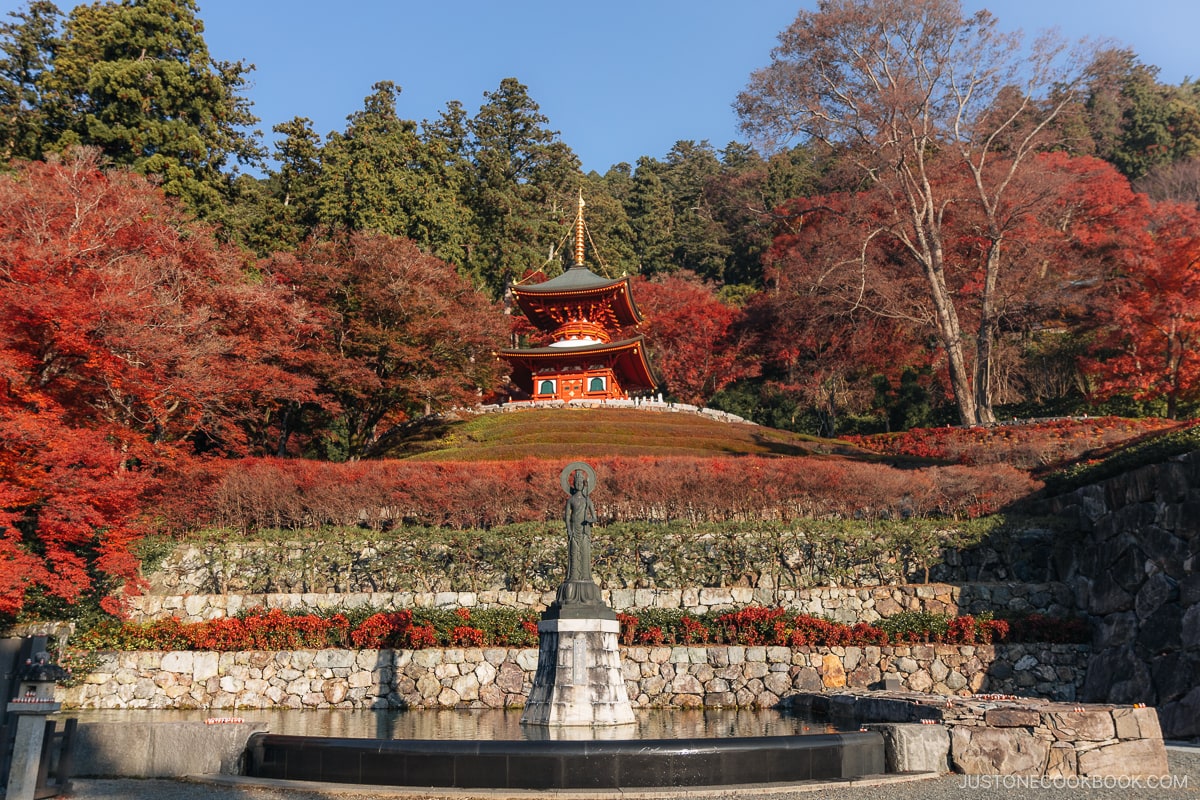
[
  {"x": 1010, "y": 736},
  {"x": 686, "y": 677},
  {"x": 382, "y": 562},
  {"x": 844, "y": 604},
  {"x": 160, "y": 749},
  {"x": 1136, "y": 572}
]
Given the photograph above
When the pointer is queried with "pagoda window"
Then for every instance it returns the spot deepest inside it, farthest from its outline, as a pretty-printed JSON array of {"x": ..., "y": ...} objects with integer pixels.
[
  {"x": 596, "y": 384},
  {"x": 546, "y": 387}
]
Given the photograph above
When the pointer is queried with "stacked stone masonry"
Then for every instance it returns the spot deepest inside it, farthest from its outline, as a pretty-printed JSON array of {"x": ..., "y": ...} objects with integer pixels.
[
  {"x": 1010, "y": 736},
  {"x": 683, "y": 677},
  {"x": 844, "y": 604},
  {"x": 1135, "y": 566}
]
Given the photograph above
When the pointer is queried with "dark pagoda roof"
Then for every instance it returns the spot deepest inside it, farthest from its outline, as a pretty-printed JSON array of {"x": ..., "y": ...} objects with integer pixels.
[
  {"x": 576, "y": 278},
  {"x": 577, "y": 283}
]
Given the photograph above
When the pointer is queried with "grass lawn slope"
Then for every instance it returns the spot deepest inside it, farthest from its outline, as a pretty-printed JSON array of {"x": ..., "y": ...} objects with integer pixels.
[{"x": 566, "y": 433}]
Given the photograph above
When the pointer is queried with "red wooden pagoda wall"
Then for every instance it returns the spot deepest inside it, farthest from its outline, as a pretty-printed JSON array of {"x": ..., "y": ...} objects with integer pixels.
[{"x": 576, "y": 384}]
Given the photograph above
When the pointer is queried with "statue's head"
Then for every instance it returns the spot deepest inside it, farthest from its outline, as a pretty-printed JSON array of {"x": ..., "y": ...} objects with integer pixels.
[{"x": 579, "y": 481}]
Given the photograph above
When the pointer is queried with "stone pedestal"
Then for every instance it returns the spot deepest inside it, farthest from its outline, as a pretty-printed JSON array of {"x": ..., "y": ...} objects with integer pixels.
[
  {"x": 27, "y": 746},
  {"x": 578, "y": 679}
]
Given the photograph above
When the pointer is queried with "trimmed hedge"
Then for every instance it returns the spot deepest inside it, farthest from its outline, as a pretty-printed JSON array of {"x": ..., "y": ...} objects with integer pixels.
[
  {"x": 424, "y": 628},
  {"x": 290, "y": 494}
]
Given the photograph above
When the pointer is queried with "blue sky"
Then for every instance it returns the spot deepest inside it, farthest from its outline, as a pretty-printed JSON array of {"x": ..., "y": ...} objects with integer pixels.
[{"x": 619, "y": 79}]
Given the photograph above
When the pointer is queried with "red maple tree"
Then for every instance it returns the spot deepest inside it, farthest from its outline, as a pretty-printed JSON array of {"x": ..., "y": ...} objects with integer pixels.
[
  {"x": 1152, "y": 344},
  {"x": 128, "y": 340},
  {"x": 406, "y": 335},
  {"x": 693, "y": 336}
]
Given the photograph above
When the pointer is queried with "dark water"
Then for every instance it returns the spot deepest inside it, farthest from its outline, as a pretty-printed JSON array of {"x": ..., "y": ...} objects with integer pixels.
[{"x": 487, "y": 724}]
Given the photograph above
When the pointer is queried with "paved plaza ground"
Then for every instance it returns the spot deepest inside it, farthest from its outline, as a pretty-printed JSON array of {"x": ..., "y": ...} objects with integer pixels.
[{"x": 1184, "y": 763}]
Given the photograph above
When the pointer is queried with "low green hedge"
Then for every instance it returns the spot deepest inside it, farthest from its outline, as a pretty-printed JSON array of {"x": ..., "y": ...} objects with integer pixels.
[{"x": 257, "y": 629}]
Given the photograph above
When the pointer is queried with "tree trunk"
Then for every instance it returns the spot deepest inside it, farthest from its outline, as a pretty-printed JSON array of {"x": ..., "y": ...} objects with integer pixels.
[
  {"x": 985, "y": 341},
  {"x": 950, "y": 334}
]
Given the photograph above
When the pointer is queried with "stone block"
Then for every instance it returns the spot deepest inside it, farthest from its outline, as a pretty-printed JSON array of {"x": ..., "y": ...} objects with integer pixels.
[
  {"x": 863, "y": 677},
  {"x": 1190, "y": 628},
  {"x": 1063, "y": 762},
  {"x": 1189, "y": 589},
  {"x": 833, "y": 674},
  {"x": 1157, "y": 590},
  {"x": 160, "y": 749},
  {"x": 1161, "y": 630},
  {"x": 1011, "y": 718},
  {"x": 686, "y": 684},
  {"x": 178, "y": 661},
  {"x": 1138, "y": 757},
  {"x": 1136, "y": 723},
  {"x": 1116, "y": 630},
  {"x": 1181, "y": 718},
  {"x": 921, "y": 682},
  {"x": 1174, "y": 674},
  {"x": 334, "y": 659},
  {"x": 778, "y": 683},
  {"x": 807, "y": 679},
  {"x": 1106, "y": 596},
  {"x": 914, "y": 748},
  {"x": 1086, "y": 726},
  {"x": 204, "y": 665},
  {"x": 997, "y": 751},
  {"x": 1116, "y": 675}
]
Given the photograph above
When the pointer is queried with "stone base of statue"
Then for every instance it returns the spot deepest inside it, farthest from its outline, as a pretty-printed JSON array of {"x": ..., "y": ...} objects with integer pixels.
[
  {"x": 579, "y": 600},
  {"x": 578, "y": 679}
]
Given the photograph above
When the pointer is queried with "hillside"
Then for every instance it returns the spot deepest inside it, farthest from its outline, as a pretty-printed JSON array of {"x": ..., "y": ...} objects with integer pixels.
[{"x": 560, "y": 433}]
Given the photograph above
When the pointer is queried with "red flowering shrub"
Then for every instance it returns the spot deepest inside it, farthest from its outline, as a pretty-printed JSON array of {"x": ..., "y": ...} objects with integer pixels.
[
  {"x": 629, "y": 624},
  {"x": 420, "y": 637},
  {"x": 750, "y": 626},
  {"x": 1040, "y": 628},
  {"x": 753, "y": 625},
  {"x": 652, "y": 635},
  {"x": 961, "y": 630},
  {"x": 382, "y": 630},
  {"x": 991, "y": 630},
  {"x": 694, "y": 631},
  {"x": 466, "y": 636}
]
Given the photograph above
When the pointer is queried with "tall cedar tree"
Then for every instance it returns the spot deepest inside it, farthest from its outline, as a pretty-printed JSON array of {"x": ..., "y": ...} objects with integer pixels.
[
  {"x": 26, "y": 51},
  {"x": 379, "y": 175},
  {"x": 1132, "y": 120},
  {"x": 523, "y": 187},
  {"x": 896, "y": 83},
  {"x": 135, "y": 79}
]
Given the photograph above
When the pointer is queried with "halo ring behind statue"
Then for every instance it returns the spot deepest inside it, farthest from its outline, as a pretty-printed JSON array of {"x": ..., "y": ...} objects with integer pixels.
[{"x": 564, "y": 477}]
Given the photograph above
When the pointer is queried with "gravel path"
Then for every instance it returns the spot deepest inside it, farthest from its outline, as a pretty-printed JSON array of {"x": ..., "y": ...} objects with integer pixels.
[{"x": 1184, "y": 763}]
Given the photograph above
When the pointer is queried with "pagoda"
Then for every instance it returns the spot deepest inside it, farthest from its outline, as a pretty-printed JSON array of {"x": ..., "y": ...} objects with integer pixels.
[{"x": 582, "y": 314}]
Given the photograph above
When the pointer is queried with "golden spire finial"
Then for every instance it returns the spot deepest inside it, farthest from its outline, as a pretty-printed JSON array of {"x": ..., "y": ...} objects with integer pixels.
[{"x": 579, "y": 230}]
